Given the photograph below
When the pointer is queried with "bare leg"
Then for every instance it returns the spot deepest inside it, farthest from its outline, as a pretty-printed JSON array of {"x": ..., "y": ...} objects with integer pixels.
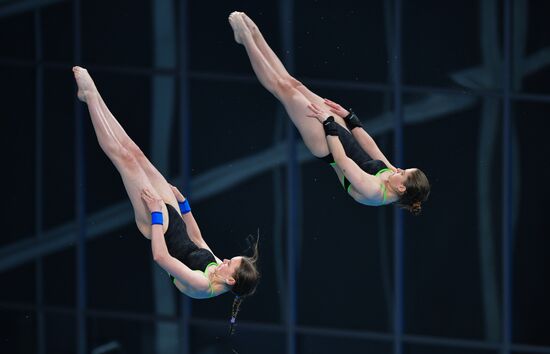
[
  {"x": 264, "y": 48},
  {"x": 265, "y": 73},
  {"x": 133, "y": 176},
  {"x": 155, "y": 177},
  {"x": 284, "y": 89},
  {"x": 278, "y": 66}
]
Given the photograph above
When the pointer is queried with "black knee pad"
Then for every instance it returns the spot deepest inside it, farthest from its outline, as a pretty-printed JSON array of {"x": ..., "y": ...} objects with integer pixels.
[
  {"x": 352, "y": 121},
  {"x": 330, "y": 126}
]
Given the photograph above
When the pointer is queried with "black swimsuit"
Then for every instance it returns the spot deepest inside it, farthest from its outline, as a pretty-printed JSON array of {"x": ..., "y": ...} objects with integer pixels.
[
  {"x": 180, "y": 245},
  {"x": 357, "y": 154}
]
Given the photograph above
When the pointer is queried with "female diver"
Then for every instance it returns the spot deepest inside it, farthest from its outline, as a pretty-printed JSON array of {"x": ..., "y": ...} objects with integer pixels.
[
  {"x": 163, "y": 215},
  {"x": 366, "y": 174}
]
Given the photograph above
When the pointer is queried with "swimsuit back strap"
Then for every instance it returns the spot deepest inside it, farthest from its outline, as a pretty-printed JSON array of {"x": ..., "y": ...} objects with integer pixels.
[
  {"x": 382, "y": 171},
  {"x": 347, "y": 184},
  {"x": 384, "y": 193},
  {"x": 383, "y": 186},
  {"x": 208, "y": 265},
  {"x": 206, "y": 275}
]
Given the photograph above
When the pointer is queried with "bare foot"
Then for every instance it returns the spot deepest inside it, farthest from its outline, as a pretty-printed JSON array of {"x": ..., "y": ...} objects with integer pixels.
[
  {"x": 249, "y": 23},
  {"x": 84, "y": 82},
  {"x": 238, "y": 25}
]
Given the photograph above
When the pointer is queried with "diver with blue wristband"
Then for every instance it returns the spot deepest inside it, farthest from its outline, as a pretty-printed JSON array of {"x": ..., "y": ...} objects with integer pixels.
[{"x": 177, "y": 244}]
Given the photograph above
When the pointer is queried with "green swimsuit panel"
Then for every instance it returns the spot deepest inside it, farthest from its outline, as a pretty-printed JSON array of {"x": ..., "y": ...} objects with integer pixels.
[
  {"x": 206, "y": 276},
  {"x": 382, "y": 185}
]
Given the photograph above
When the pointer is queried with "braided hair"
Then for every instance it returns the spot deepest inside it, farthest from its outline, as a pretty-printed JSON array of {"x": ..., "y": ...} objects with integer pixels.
[
  {"x": 234, "y": 311},
  {"x": 246, "y": 277}
]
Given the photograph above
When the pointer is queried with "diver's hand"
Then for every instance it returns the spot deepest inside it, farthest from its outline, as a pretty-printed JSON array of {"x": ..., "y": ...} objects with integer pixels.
[
  {"x": 336, "y": 108},
  {"x": 318, "y": 113},
  {"x": 153, "y": 202}
]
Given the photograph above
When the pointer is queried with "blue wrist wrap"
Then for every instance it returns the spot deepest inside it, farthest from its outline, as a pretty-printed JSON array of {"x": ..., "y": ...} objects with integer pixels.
[
  {"x": 184, "y": 207},
  {"x": 156, "y": 218}
]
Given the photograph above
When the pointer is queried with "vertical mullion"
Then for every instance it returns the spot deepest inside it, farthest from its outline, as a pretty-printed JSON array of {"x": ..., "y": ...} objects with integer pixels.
[
  {"x": 80, "y": 199},
  {"x": 293, "y": 184},
  {"x": 507, "y": 217},
  {"x": 185, "y": 148},
  {"x": 398, "y": 215},
  {"x": 39, "y": 71}
]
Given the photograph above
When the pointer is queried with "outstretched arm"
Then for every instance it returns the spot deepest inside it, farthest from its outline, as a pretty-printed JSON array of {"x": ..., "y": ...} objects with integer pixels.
[
  {"x": 192, "y": 280},
  {"x": 193, "y": 229},
  {"x": 368, "y": 144},
  {"x": 365, "y": 184},
  {"x": 364, "y": 139}
]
